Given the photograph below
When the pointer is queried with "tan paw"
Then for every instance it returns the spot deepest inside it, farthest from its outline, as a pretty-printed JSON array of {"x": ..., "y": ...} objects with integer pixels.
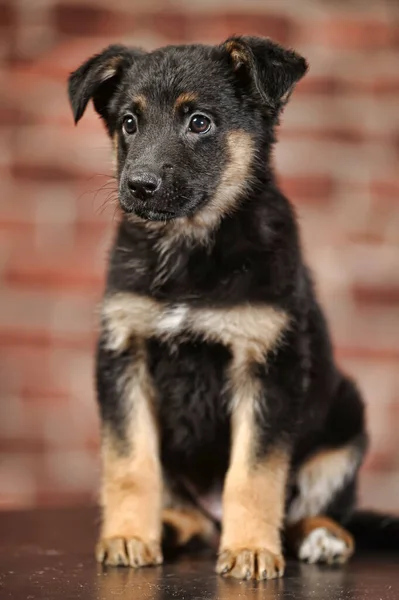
[
  {"x": 256, "y": 563},
  {"x": 127, "y": 552}
]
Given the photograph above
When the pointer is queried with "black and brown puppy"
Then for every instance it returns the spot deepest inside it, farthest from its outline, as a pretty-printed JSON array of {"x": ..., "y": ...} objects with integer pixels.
[{"x": 214, "y": 365}]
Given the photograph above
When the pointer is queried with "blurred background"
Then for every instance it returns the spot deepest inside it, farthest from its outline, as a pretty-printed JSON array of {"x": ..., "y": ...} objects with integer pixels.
[{"x": 337, "y": 159}]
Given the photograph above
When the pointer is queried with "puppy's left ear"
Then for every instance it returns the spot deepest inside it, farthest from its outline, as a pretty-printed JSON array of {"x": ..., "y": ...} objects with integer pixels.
[
  {"x": 271, "y": 69},
  {"x": 98, "y": 78}
]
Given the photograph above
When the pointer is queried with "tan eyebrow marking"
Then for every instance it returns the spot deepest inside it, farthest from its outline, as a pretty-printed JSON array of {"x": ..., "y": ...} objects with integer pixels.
[
  {"x": 185, "y": 98},
  {"x": 140, "y": 102}
]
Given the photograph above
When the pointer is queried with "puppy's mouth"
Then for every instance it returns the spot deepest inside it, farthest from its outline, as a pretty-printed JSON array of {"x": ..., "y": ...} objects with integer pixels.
[
  {"x": 146, "y": 210},
  {"x": 152, "y": 211},
  {"x": 151, "y": 214}
]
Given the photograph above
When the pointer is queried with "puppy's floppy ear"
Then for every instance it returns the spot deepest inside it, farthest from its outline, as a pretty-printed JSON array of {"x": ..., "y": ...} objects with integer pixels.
[
  {"x": 98, "y": 77},
  {"x": 272, "y": 70}
]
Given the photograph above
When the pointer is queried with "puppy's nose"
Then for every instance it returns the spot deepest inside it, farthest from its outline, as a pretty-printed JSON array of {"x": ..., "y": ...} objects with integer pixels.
[{"x": 144, "y": 184}]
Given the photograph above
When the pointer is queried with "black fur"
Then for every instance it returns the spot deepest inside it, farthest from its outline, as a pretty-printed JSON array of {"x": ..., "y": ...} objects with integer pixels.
[{"x": 252, "y": 256}]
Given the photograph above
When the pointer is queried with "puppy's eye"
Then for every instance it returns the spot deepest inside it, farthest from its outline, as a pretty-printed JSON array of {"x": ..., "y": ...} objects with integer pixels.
[
  {"x": 199, "y": 124},
  {"x": 129, "y": 124}
]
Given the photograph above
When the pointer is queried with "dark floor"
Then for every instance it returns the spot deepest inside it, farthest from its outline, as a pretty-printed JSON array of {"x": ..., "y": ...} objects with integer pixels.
[{"x": 49, "y": 555}]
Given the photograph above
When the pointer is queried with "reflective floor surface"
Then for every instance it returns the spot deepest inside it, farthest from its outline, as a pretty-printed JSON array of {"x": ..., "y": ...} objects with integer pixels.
[{"x": 48, "y": 555}]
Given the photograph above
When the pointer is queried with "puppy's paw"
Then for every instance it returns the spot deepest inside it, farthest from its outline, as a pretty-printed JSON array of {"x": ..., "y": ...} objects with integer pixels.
[
  {"x": 128, "y": 552},
  {"x": 257, "y": 563},
  {"x": 323, "y": 546}
]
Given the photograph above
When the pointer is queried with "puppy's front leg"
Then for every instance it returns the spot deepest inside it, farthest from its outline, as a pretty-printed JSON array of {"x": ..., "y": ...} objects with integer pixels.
[
  {"x": 131, "y": 492},
  {"x": 253, "y": 502}
]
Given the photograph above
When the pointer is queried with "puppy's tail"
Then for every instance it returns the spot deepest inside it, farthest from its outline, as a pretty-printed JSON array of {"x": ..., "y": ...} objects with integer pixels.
[{"x": 374, "y": 531}]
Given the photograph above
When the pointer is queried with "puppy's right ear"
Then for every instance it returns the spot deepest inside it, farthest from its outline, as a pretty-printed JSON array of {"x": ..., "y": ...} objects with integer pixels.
[{"x": 98, "y": 77}]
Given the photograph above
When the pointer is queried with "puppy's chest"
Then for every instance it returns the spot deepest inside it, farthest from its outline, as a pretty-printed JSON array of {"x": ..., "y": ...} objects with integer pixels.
[{"x": 253, "y": 329}]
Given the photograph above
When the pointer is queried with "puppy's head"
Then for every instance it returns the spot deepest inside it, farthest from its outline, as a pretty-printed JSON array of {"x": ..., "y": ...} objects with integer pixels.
[{"x": 187, "y": 122}]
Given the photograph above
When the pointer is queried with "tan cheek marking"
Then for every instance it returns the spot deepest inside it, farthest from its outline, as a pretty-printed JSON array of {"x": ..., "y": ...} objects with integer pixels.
[
  {"x": 115, "y": 144},
  {"x": 131, "y": 494},
  {"x": 185, "y": 98},
  {"x": 233, "y": 182}
]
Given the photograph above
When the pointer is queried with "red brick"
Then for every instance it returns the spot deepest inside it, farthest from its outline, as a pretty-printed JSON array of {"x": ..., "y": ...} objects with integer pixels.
[
  {"x": 85, "y": 19},
  {"x": 13, "y": 115},
  {"x": 42, "y": 393},
  {"x": 22, "y": 227},
  {"x": 371, "y": 354},
  {"x": 81, "y": 268},
  {"x": 46, "y": 340},
  {"x": 339, "y": 168},
  {"x": 364, "y": 34},
  {"x": 378, "y": 461},
  {"x": 308, "y": 188},
  {"x": 381, "y": 295},
  {"x": 8, "y": 15},
  {"x": 385, "y": 85},
  {"x": 344, "y": 135},
  {"x": 46, "y": 173},
  {"x": 22, "y": 445},
  {"x": 168, "y": 24},
  {"x": 53, "y": 497},
  {"x": 321, "y": 84},
  {"x": 67, "y": 54},
  {"x": 217, "y": 26},
  {"x": 366, "y": 237},
  {"x": 386, "y": 189}
]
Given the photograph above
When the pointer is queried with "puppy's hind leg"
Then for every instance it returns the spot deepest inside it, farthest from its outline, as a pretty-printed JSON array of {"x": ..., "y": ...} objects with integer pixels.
[
  {"x": 326, "y": 484},
  {"x": 320, "y": 539}
]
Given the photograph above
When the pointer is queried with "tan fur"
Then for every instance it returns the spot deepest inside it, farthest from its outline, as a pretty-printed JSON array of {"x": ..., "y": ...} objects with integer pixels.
[
  {"x": 297, "y": 533},
  {"x": 233, "y": 183},
  {"x": 125, "y": 315},
  {"x": 115, "y": 141},
  {"x": 111, "y": 67},
  {"x": 131, "y": 493},
  {"x": 140, "y": 102},
  {"x": 188, "y": 523},
  {"x": 254, "y": 492},
  {"x": 237, "y": 53},
  {"x": 251, "y": 331},
  {"x": 319, "y": 478},
  {"x": 185, "y": 98}
]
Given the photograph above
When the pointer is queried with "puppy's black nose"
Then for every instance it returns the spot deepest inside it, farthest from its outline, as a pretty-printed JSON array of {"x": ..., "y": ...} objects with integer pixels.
[{"x": 144, "y": 185}]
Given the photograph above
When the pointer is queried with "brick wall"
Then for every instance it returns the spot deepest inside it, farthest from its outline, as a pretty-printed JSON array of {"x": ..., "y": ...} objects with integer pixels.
[{"x": 337, "y": 159}]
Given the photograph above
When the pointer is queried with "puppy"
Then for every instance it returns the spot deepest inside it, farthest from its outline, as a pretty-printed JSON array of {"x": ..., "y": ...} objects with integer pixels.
[{"x": 215, "y": 375}]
